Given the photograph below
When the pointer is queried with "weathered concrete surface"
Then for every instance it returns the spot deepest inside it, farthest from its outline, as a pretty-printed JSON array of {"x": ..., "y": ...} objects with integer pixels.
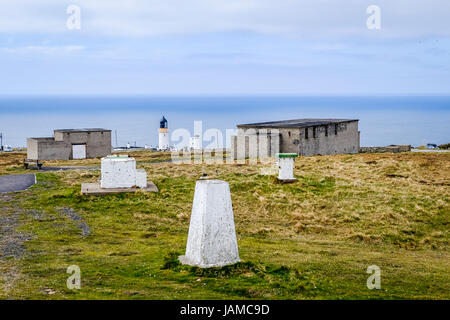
[
  {"x": 212, "y": 237},
  {"x": 141, "y": 178},
  {"x": 286, "y": 169},
  {"x": 118, "y": 172},
  {"x": 323, "y": 137},
  {"x": 252, "y": 144},
  {"x": 330, "y": 139},
  {"x": 59, "y": 147},
  {"x": 19, "y": 182},
  {"x": 96, "y": 189},
  {"x": 121, "y": 172}
]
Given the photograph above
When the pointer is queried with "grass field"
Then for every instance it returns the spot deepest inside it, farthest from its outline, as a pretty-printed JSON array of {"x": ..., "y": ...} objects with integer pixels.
[{"x": 312, "y": 239}]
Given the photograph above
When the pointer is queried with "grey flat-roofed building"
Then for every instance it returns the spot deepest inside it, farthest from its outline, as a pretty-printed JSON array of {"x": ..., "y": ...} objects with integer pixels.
[
  {"x": 302, "y": 136},
  {"x": 68, "y": 144}
]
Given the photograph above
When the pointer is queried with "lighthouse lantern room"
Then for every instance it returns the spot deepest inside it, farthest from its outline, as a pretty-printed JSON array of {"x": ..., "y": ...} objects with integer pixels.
[{"x": 163, "y": 135}]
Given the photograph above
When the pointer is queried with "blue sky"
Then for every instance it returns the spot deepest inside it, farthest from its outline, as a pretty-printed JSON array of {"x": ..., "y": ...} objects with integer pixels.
[{"x": 225, "y": 47}]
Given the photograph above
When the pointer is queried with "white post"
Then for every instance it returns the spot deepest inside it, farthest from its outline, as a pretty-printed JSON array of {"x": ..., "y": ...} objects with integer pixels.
[
  {"x": 286, "y": 166},
  {"x": 212, "y": 237}
]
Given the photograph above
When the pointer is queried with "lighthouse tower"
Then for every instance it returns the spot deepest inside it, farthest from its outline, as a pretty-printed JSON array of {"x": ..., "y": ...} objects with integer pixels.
[{"x": 163, "y": 135}]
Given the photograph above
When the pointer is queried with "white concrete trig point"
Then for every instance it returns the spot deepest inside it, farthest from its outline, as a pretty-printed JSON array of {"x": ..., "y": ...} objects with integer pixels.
[
  {"x": 212, "y": 236},
  {"x": 286, "y": 166}
]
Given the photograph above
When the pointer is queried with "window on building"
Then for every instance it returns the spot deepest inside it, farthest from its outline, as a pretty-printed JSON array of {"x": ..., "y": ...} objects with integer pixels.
[
  {"x": 314, "y": 132},
  {"x": 335, "y": 129},
  {"x": 306, "y": 133},
  {"x": 289, "y": 133}
]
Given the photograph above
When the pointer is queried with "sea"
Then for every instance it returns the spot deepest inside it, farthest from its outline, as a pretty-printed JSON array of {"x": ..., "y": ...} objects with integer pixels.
[{"x": 134, "y": 120}]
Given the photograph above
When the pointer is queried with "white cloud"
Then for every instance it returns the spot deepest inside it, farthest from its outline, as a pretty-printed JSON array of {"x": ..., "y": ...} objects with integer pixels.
[{"x": 303, "y": 18}]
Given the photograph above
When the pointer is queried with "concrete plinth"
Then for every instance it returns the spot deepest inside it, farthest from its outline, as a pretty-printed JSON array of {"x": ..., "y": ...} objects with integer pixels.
[
  {"x": 286, "y": 166},
  {"x": 94, "y": 189},
  {"x": 141, "y": 178},
  {"x": 120, "y": 172},
  {"x": 212, "y": 237}
]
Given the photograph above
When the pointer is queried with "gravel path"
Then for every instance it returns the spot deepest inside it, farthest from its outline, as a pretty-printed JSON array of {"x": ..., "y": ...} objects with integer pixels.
[
  {"x": 11, "y": 242},
  {"x": 74, "y": 216}
]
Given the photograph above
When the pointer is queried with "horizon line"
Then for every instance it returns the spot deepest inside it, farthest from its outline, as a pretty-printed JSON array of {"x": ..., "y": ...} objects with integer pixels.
[{"x": 2, "y": 95}]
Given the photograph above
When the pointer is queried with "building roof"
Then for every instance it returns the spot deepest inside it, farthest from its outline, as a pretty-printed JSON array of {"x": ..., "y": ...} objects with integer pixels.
[
  {"x": 43, "y": 138},
  {"x": 297, "y": 123},
  {"x": 82, "y": 130}
]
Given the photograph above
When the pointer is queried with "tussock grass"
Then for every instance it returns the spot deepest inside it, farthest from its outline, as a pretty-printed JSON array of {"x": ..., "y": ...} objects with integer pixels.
[{"x": 309, "y": 239}]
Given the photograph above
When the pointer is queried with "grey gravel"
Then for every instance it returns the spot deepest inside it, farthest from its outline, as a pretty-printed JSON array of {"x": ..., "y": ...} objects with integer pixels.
[
  {"x": 11, "y": 241},
  {"x": 74, "y": 216}
]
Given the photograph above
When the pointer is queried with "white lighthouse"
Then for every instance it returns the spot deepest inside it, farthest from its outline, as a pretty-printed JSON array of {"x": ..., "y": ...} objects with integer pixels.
[{"x": 163, "y": 135}]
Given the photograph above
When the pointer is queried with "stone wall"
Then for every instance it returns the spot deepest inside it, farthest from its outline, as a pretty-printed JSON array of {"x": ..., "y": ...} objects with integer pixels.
[{"x": 388, "y": 149}]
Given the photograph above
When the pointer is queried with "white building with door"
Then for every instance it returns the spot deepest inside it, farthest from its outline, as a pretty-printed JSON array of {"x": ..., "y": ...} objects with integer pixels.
[{"x": 68, "y": 144}]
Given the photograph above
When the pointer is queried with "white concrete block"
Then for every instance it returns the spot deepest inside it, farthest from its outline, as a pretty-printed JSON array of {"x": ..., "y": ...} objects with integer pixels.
[
  {"x": 141, "y": 178},
  {"x": 286, "y": 162},
  {"x": 118, "y": 172},
  {"x": 212, "y": 237}
]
